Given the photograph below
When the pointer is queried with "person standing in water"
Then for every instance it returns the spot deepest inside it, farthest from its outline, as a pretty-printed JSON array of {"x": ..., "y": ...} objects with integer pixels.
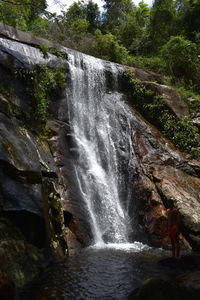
[{"x": 174, "y": 229}]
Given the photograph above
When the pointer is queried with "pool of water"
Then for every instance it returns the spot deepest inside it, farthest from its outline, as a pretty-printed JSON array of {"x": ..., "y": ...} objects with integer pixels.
[{"x": 109, "y": 272}]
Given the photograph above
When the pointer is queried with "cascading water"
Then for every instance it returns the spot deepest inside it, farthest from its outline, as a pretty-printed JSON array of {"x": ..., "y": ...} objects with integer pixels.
[{"x": 103, "y": 157}]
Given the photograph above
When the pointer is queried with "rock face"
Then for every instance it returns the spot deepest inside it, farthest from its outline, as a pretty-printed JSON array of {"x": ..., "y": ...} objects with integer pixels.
[
  {"x": 166, "y": 174},
  {"x": 29, "y": 200},
  {"x": 34, "y": 171}
]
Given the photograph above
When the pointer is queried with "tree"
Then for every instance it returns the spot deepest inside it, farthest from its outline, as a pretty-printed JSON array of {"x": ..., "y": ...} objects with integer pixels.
[
  {"x": 107, "y": 47},
  {"x": 21, "y": 13},
  {"x": 190, "y": 18},
  {"x": 181, "y": 59},
  {"x": 132, "y": 31},
  {"x": 84, "y": 10},
  {"x": 142, "y": 14},
  {"x": 92, "y": 16},
  {"x": 162, "y": 23},
  {"x": 115, "y": 13}
]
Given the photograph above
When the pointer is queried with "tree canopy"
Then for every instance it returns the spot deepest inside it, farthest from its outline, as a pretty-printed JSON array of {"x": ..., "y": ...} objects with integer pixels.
[{"x": 21, "y": 13}]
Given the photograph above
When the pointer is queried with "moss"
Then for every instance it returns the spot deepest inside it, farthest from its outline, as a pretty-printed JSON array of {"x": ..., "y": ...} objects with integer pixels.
[
  {"x": 56, "y": 219},
  {"x": 5, "y": 89}
]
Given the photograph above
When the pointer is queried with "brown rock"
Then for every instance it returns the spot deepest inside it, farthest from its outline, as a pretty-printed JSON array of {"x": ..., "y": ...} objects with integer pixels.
[{"x": 145, "y": 75}]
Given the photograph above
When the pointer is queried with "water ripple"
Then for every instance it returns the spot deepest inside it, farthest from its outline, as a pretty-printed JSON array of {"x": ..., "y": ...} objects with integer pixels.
[{"x": 95, "y": 274}]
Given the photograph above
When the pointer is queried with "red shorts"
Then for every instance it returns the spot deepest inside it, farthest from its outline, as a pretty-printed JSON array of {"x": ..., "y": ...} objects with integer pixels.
[{"x": 173, "y": 232}]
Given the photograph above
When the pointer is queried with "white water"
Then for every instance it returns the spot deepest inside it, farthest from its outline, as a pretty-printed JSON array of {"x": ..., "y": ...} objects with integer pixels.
[{"x": 102, "y": 149}]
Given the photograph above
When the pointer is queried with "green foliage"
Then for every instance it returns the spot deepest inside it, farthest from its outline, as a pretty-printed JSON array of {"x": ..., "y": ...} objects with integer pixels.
[
  {"x": 143, "y": 14},
  {"x": 56, "y": 220},
  {"x": 84, "y": 10},
  {"x": 115, "y": 12},
  {"x": 21, "y": 13},
  {"x": 45, "y": 49},
  {"x": 181, "y": 59},
  {"x": 189, "y": 19},
  {"x": 134, "y": 86},
  {"x": 43, "y": 83},
  {"x": 162, "y": 23},
  {"x": 181, "y": 132},
  {"x": 129, "y": 33},
  {"x": 41, "y": 27},
  {"x": 192, "y": 99},
  {"x": 73, "y": 34},
  {"x": 154, "y": 63},
  {"x": 107, "y": 47},
  {"x": 5, "y": 89}
]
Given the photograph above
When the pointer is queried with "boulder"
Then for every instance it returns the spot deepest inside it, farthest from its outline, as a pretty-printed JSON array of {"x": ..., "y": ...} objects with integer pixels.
[
  {"x": 24, "y": 37},
  {"x": 145, "y": 75},
  {"x": 170, "y": 97}
]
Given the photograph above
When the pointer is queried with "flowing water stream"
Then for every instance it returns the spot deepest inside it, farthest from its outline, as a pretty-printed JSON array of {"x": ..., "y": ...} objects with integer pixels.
[{"x": 102, "y": 154}]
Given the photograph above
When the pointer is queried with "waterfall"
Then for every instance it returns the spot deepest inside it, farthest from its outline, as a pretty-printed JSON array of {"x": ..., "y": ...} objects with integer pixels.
[{"x": 102, "y": 154}]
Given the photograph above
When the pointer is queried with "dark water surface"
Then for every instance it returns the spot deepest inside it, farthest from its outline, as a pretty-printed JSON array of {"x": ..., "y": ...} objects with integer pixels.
[{"x": 96, "y": 274}]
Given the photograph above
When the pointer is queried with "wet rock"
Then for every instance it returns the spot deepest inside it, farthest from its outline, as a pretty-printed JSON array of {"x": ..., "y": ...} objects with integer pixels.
[{"x": 170, "y": 175}]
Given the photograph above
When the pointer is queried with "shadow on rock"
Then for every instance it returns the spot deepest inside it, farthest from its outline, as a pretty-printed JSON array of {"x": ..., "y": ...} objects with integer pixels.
[
  {"x": 186, "y": 262},
  {"x": 7, "y": 289},
  {"x": 158, "y": 289}
]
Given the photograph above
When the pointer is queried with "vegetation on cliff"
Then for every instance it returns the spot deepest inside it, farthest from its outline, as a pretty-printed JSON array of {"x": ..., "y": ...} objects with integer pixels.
[
  {"x": 42, "y": 82},
  {"x": 163, "y": 38},
  {"x": 183, "y": 133}
]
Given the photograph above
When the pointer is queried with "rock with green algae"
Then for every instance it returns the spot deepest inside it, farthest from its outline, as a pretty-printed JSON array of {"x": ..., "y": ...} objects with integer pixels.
[{"x": 159, "y": 289}]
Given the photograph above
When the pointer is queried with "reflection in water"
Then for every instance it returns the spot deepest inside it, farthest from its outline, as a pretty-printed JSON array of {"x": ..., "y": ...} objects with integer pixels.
[{"x": 95, "y": 274}]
